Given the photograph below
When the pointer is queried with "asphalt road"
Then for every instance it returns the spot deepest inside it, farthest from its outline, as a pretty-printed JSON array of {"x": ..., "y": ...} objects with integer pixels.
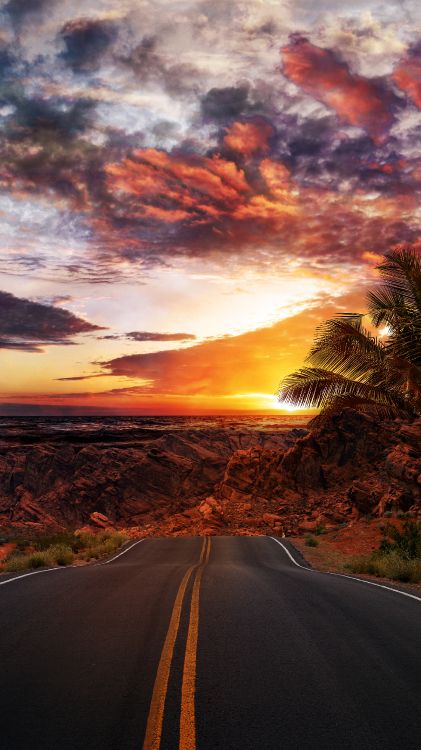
[{"x": 188, "y": 644}]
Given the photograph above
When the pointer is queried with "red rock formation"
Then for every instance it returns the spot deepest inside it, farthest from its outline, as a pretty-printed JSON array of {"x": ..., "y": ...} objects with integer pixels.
[
  {"x": 217, "y": 481},
  {"x": 133, "y": 482},
  {"x": 352, "y": 465}
]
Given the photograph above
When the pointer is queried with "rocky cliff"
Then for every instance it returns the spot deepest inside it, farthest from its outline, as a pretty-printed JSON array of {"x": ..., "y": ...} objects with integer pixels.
[
  {"x": 216, "y": 480},
  {"x": 134, "y": 478},
  {"x": 352, "y": 465}
]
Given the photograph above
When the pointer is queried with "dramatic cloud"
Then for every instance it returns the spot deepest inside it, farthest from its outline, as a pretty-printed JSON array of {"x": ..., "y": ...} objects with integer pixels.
[
  {"x": 85, "y": 42},
  {"x": 408, "y": 74},
  {"x": 151, "y": 66},
  {"x": 191, "y": 203},
  {"x": 227, "y": 103},
  {"x": 42, "y": 147},
  {"x": 57, "y": 117},
  {"x": 159, "y": 163},
  {"x": 154, "y": 137},
  {"x": 18, "y": 10},
  {"x": 359, "y": 101},
  {"x": 149, "y": 336},
  {"x": 195, "y": 192},
  {"x": 251, "y": 362},
  {"x": 249, "y": 138},
  {"x": 30, "y": 325}
]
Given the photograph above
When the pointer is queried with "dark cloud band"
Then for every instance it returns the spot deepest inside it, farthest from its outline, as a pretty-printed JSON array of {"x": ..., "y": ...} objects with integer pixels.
[{"x": 28, "y": 326}]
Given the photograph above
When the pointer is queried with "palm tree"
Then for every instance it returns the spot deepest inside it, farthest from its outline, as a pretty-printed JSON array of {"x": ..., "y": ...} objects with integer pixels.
[{"x": 349, "y": 367}]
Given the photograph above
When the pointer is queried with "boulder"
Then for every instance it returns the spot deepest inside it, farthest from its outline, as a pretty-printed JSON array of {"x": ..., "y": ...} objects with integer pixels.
[{"x": 100, "y": 520}]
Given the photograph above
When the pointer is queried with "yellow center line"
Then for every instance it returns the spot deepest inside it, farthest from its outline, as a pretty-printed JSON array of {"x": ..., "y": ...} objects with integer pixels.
[
  {"x": 153, "y": 734},
  {"x": 188, "y": 688},
  {"x": 204, "y": 550}
]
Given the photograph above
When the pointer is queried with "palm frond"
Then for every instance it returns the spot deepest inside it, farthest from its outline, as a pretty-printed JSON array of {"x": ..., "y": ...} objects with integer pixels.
[
  {"x": 406, "y": 375},
  {"x": 387, "y": 305},
  {"x": 345, "y": 346},
  {"x": 348, "y": 367},
  {"x": 312, "y": 387},
  {"x": 401, "y": 272}
]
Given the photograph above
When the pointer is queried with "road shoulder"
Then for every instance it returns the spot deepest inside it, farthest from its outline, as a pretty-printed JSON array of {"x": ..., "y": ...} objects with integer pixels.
[{"x": 322, "y": 561}]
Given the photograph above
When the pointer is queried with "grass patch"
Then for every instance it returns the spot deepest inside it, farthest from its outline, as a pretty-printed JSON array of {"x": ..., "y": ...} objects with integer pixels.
[
  {"x": 100, "y": 545},
  {"x": 310, "y": 541},
  {"x": 398, "y": 557},
  {"x": 389, "y": 565},
  {"x": 63, "y": 548},
  {"x": 60, "y": 554},
  {"x": 20, "y": 561}
]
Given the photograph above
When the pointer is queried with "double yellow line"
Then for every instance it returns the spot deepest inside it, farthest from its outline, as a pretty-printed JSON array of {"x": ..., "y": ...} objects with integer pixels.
[{"x": 188, "y": 688}]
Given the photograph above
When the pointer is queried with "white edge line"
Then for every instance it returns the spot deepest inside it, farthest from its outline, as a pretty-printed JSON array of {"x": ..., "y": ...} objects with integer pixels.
[
  {"x": 66, "y": 567},
  {"x": 34, "y": 573},
  {"x": 341, "y": 575},
  {"x": 107, "y": 562}
]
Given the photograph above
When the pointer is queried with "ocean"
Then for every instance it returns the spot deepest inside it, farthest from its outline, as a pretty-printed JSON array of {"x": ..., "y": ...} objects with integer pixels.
[{"x": 12, "y": 427}]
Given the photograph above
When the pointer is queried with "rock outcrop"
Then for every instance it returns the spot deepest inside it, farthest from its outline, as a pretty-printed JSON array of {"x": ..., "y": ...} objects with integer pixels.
[
  {"x": 137, "y": 479},
  {"x": 350, "y": 466},
  {"x": 215, "y": 481}
]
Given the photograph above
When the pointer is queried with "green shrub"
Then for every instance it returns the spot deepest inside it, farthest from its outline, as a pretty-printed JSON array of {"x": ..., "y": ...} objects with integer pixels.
[
  {"x": 310, "y": 541},
  {"x": 398, "y": 557},
  {"x": 62, "y": 548},
  {"x": 60, "y": 554},
  {"x": 15, "y": 563},
  {"x": 33, "y": 560},
  {"x": 63, "y": 538},
  {"x": 102, "y": 544},
  {"x": 405, "y": 542},
  {"x": 39, "y": 560},
  {"x": 389, "y": 565},
  {"x": 319, "y": 530}
]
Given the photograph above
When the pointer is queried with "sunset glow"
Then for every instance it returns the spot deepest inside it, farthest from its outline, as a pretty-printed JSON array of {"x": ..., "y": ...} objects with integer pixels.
[{"x": 188, "y": 190}]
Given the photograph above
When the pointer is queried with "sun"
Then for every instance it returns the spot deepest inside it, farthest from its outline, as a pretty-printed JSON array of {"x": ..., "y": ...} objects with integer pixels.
[{"x": 287, "y": 406}]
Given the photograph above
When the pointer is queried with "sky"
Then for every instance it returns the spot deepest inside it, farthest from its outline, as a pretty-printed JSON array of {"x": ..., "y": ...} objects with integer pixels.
[{"x": 188, "y": 189}]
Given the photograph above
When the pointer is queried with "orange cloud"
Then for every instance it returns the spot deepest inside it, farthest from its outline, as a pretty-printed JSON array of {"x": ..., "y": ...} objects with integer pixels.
[
  {"x": 184, "y": 203},
  {"x": 229, "y": 374},
  {"x": 172, "y": 188},
  {"x": 373, "y": 258},
  {"x": 359, "y": 101},
  {"x": 230, "y": 366},
  {"x": 199, "y": 190},
  {"x": 248, "y": 138},
  {"x": 408, "y": 75}
]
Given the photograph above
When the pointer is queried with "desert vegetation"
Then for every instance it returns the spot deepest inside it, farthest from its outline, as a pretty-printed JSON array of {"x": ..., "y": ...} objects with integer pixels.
[
  {"x": 351, "y": 366},
  {"x": 398, "y": 557},
  {"x": 62, "y": 548}
]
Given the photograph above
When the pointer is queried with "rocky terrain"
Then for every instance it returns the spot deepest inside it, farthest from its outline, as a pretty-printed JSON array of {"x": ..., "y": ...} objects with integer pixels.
[
  {"x": 127, "y": 478},
  {"x": 351, "y": 466},
  {"x": 216, "y": 480}
]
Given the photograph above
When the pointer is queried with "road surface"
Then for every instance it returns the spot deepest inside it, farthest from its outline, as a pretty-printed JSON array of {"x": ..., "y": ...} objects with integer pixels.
[{"x": 195, "y": 644}]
